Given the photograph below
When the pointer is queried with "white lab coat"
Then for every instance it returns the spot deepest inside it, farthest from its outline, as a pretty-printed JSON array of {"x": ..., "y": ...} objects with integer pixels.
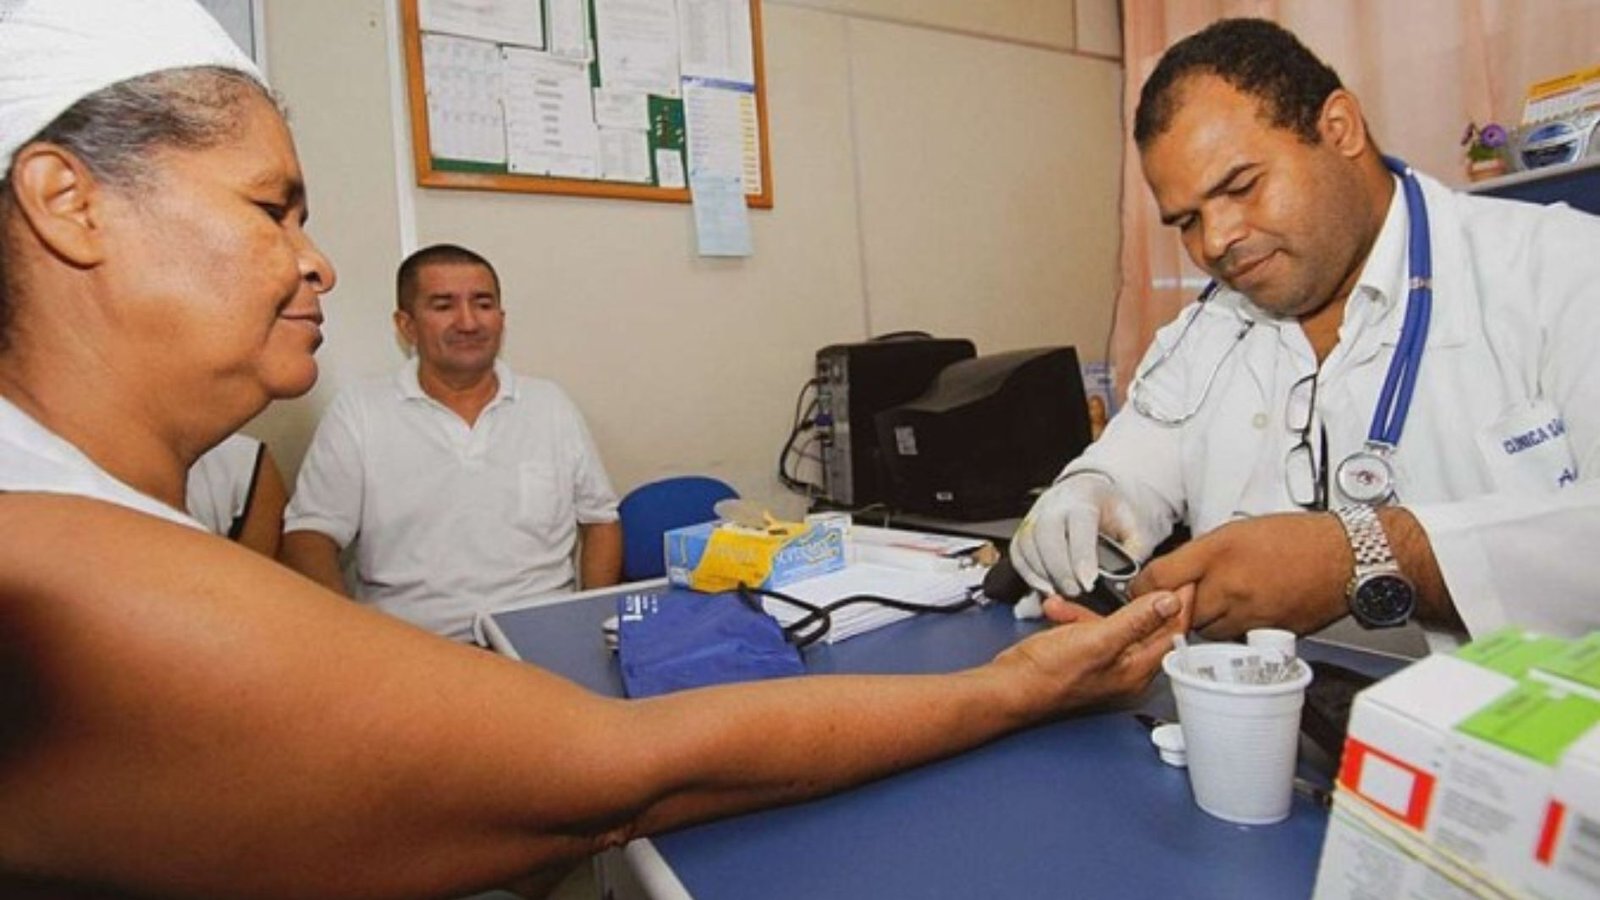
[{"x": 1500, "y": 454}]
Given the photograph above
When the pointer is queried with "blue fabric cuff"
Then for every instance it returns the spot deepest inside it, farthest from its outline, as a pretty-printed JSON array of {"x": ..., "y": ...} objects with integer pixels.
[{"x": 678, "y": 639}]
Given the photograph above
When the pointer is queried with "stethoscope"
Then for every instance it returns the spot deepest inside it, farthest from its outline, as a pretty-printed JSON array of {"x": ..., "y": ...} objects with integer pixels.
[
  {"x": 1367, "y": 475},
  {"x": 1136, "y": 389}
]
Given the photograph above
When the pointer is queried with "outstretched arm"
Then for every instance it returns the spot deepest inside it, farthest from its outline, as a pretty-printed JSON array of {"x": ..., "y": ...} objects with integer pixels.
[{"x": 185, "y": 693}]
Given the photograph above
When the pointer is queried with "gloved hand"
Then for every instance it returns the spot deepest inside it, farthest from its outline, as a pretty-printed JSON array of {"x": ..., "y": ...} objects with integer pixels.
[{"x": 1054, "y": 549}]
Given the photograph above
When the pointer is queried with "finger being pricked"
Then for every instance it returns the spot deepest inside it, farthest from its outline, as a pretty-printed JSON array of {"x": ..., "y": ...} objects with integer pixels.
[
  {"x": 1159, "y": 622},
  {"x": 1143, "y": 632},
  {"x": 1145, "y": 655},
  {"x": 1086, "y": 659}
]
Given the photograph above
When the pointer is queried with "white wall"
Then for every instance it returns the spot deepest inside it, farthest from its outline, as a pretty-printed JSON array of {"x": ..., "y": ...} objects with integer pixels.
[{"x": 947, "y": 166}]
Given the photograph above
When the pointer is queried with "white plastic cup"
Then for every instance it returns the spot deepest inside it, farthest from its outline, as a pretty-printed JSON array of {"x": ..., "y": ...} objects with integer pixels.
[{"x": 1240, "y": 740}]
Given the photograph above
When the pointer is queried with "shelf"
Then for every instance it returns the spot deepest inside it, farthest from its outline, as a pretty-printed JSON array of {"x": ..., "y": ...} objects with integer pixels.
[{"x": 1576, "y": 183}]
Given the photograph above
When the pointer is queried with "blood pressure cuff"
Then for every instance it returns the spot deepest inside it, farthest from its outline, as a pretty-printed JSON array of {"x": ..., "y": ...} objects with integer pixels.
[{"x": 677, "y": 639}]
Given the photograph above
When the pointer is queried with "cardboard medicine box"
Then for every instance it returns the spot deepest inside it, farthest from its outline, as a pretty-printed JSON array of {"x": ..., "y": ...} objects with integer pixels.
[
  {"x": 1568, "y": 855},
  {"x": 720, "y": 556},
  {"x": 1576, "y": 667},
  {"x": 1446, "y": 784}
]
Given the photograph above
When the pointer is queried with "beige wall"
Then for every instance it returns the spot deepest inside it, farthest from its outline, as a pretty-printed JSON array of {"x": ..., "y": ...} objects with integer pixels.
[{"x": 946, "y": 166}]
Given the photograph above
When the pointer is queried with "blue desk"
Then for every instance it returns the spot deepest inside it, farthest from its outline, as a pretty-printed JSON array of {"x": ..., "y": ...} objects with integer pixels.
[{"x": 1078, "y": 808}]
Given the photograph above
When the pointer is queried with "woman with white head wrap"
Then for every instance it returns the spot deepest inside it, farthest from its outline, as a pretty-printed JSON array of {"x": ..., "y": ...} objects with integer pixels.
[
  {"x": 95, "y": 98},
  {"x": 161, "y": 75},
  {"x": 182, "y": 717},
  {"x": 54, "y": 53}
]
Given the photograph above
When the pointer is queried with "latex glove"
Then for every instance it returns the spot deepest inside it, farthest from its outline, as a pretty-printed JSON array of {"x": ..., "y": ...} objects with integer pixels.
[{"x": 1054, "y": 549}]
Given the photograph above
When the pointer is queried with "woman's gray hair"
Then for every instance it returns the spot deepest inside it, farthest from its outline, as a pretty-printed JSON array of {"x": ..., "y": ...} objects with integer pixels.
[{"x": 116, "y": 130}]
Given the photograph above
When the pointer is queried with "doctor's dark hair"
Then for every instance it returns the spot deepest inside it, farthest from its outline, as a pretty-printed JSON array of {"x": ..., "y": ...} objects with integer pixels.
[
  {"x": 405, "y": 282},
  {"x": 1258, "y": 58},
  {"x": 116, "y": 131}
]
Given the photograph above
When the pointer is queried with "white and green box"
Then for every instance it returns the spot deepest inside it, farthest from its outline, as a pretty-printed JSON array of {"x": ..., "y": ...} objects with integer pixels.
[{"x": 1447, "y": 778}]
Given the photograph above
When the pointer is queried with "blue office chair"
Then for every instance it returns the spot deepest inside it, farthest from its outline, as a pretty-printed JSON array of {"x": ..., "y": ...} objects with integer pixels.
[{"x": 651, "y": 510}]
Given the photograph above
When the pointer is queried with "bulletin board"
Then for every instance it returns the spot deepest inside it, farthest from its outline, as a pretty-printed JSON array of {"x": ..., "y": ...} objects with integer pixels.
[{"x": 632, "y": 99}]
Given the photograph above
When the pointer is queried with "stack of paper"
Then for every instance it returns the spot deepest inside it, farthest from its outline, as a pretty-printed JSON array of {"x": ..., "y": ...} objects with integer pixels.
[
  {"x": 942, "y": 545},
  {"x": 934, "y": 588},
  {"x": 912, "y": 550}
]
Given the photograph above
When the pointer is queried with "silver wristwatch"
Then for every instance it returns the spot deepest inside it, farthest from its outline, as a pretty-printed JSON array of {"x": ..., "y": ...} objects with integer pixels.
[{"x": 1378, "y": 594}]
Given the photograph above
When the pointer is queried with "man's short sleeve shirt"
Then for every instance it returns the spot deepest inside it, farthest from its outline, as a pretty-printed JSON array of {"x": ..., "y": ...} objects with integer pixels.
[{"x": 449, "y": 519}]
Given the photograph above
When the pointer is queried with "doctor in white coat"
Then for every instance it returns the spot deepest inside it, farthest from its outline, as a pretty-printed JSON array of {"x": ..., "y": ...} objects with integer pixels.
[{"x": 1343, "y": 430}]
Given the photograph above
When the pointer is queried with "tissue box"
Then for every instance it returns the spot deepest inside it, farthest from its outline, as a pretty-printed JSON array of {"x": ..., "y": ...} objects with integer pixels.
[
  {"x": 720, "y": 556},
  {"x": 1451, "y": 780}
]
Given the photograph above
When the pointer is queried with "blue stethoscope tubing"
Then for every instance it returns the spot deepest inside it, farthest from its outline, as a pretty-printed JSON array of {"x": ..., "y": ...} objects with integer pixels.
[
  {"x": 1366, "y": 476},
  {"x": 1389, "y": 419}
]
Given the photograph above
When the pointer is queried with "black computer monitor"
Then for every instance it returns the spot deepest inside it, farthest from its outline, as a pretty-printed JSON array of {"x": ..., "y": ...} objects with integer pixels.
[
  {"x": 987, "y": 432},
  {"x": 855, "y": 382}
]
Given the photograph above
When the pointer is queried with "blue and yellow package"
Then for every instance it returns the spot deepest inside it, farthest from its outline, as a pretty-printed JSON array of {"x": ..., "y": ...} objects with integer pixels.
[{"x": 720, "y": 556}]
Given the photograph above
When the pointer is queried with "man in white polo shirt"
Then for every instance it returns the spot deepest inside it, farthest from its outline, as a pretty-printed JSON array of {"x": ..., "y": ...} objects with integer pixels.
[{"x": 462, "y": 485}]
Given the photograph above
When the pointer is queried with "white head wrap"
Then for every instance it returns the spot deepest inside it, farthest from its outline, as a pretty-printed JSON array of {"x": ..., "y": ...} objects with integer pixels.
[{"x": 54, "y": 53}]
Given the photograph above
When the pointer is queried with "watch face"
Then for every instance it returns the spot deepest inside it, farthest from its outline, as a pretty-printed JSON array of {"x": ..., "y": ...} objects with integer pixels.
[
  {"x": 1383, "y": 601},
  {"x": 1365, "y": 477}
]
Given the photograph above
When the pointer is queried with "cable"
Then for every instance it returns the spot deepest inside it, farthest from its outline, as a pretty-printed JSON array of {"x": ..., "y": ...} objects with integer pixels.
[
  {"x": 803, "y": 421},
  {"x": 878, "y": 508},
  {"x": 819, "y": 617},
  {"x": 793, "y": 482},
  {"x": 804, "y": 452}
]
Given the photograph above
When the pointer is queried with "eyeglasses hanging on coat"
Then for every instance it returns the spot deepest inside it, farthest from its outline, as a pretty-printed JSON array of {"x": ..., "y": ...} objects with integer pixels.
[{"x": 1305, "y": 472}]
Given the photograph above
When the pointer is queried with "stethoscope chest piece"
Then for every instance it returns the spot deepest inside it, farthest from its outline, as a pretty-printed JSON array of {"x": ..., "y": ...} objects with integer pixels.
[{"x": 1366, "y": 476}]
